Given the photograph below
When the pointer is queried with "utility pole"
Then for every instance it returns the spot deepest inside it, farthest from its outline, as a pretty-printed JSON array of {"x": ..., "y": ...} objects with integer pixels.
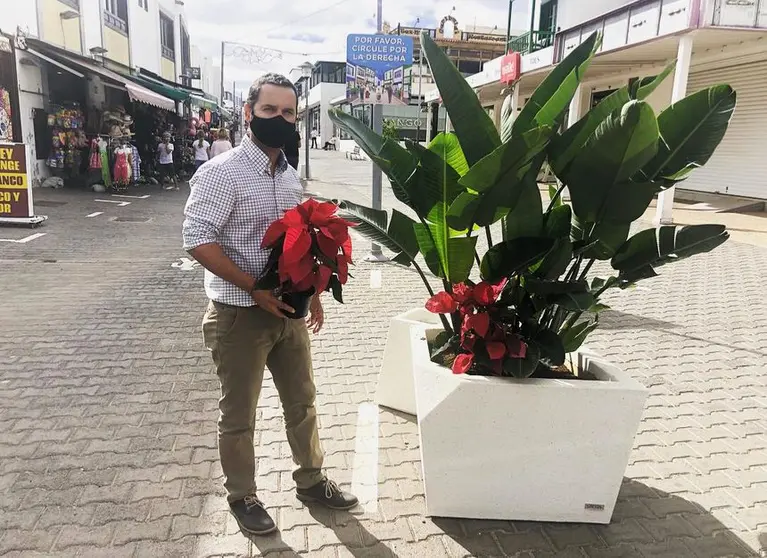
[
  {"x": 508, "y": 26},
  {"x": 377, "y": 116},
  {"x": 221, "y": 96}
]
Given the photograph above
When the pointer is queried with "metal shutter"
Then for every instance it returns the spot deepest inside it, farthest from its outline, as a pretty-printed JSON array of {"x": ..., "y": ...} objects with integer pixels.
[{"x": 739, "y": 165}]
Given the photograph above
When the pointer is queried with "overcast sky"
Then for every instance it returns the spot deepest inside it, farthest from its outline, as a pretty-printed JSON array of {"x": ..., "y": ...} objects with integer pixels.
[{"x": 319, "y": 27}]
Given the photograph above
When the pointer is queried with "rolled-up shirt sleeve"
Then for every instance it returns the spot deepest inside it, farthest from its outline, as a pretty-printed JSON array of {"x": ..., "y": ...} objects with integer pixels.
[{"x": 208, "y": 208}]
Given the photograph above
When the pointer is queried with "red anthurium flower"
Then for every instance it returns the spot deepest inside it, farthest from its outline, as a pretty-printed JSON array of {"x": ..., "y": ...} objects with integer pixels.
[
  {"x": 516, "y": 347},
  {"x": 496, "y": 350},
  {"x": 299, "y": 271},
  {"x": 296, "y": 245},
  {"x": 462, "y": 363},
  {"x": 273, "y": 234},
  {"x": 486, "y": 294},
  {"x": 441, "y": 303},
  {"x": 322, "y": 277},
  {"x": 462, "y": 292},
  {"x": 323, "y": 213},
  {"x": 480, "y": 323},
  {"x": 328, "y": 246},
  {"x": 346, "y": 247},
  {"x": 343, "y": 269}
]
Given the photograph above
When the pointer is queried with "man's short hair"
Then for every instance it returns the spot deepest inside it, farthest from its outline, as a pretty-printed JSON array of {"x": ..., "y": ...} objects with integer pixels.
[{"x": 269, "y": 79}]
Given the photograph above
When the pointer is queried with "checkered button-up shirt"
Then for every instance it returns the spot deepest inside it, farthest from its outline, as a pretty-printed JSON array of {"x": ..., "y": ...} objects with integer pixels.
[{"x": 233, "y": 200}]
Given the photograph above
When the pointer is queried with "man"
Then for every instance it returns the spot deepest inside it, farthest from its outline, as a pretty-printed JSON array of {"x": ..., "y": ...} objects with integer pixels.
[
  {"x": 233, "y": 200},
  {"x": 315, "y": 135},
  {"x": 165, "y": 156}
]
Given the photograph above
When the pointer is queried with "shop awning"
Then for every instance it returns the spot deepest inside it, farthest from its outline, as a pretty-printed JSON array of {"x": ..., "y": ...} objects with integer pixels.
[
  {"x": 159, "y": 88},
  {"x": 144, "y": 95},
  {"x": 136, "y": 92},
  {"x": 203, "y": 103}
]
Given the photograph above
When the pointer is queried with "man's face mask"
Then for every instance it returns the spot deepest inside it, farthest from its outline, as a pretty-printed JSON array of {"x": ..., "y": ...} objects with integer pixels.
[{"x": 272, "y": 132}]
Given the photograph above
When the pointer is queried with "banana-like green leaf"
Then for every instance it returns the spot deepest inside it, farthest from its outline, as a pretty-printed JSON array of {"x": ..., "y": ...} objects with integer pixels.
[
  {"x": 428, "y": 248},
  {"x": 434, "y": 181},
  {"x": 621, "y": 145},
  {"x": 448, "y": 147},
  {"x": 604, "y": 240},
  {"x": 449, "y": 258},
  {"x": 575, "y": 302},
  {"x": 553, "y": 189},
  {"x": 657, "y": 247},
  {"x": 691, "y": 130},
  {"x": 523, "y": 367},
  {"x": 461, "y": 213},
  {"x": 544, "y": 288},
  {"x": 563, "y": 148},
  {"x": 504, "y": 163},
  {"x": 526, "y": 218},
  {"x": 547, "y": 105},
  {"x": 573, "y": 337},
  {"x": 508, "y": 258},
  {"x": 372, "y": 224},
  {"x": 476, "y": 131},
  {"x": 556, "y": 261},
  {"x": 552, "y": 348},
  {"x": 556, "y": 222}
]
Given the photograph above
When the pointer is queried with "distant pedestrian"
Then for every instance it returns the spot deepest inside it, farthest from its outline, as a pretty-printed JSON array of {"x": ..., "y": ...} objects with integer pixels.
[
  {"x": 222, "y": 143},
  {"x": 233, "y": 201},
  {"x": 165, "y": 160},
  {"x": 201, "y": 150},
  {"x": 315, "y": 135}
]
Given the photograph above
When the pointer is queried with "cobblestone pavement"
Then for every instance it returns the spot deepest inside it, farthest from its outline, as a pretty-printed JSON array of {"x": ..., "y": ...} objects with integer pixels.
[{"x": 108, "y": 406}]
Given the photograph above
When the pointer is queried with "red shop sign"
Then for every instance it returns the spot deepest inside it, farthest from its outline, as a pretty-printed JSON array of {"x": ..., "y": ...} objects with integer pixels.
[{"x": 511, "y": 66}]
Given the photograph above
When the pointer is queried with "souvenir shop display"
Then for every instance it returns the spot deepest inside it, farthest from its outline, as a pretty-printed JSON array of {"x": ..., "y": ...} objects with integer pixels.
[
  {"x": 123, "y": 166},
  {"x": 67, "y": 139},
  {"x": 6, "y": 115}
]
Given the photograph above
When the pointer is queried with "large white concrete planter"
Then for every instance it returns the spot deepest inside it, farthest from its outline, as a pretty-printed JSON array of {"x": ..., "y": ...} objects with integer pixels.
[
  {"x": 530, "y": 450},
  {"x": 395, "y": 380}
]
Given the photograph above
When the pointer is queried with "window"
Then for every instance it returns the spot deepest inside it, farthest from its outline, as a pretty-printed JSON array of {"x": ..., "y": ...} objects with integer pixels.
[
  {"x": 75, "y": 4},
  {"x": 116, "y": 15},
  {"x": 167, "y": 38},
  {"x": 144, "y": 4}
]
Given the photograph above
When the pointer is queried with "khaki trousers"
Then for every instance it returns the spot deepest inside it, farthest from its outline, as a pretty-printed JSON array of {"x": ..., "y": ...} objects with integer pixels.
[{"x": 243, "y": 341}]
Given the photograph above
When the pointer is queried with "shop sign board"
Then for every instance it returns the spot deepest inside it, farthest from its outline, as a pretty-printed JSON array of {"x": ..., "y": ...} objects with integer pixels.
[
  {"x": 15, "y": 187},
  {"x": 511, "y": 67},
  {"x": 193, "y": 72},
  {"x": 372, "y": 62}
]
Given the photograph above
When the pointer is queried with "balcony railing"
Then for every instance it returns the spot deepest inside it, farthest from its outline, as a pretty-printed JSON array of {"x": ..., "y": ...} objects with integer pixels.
[
  {"x": 116, "y": 23},
  {"x": 531, "y": 42},
  {"x": 739, "y": 13}
]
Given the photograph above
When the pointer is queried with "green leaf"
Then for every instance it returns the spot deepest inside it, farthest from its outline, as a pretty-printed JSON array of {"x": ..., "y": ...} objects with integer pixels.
[
  {"x": 556, "y": 223},
  {"x": 336, "y": 288},
  {"x": 476, "y": 131},
  {"x": 597, "y": 308},
  {"x": 657, "y": 247},
  {"x": 573, "y": 338},
  {"x": 507, "y": 258},
  {"x": 553, "y": 189},
  {"x": 556, "y": 261},
  {"x": 548, "y": 103},
  {"x": 551, "y": 347},
  {"x": 434, "y": 181},
  {"x": 372, "y": 224},
  {"x": 460, "y": 216},
  {"x": 450, "y": 258},
  {"x": 402, "y": 232},
  {"x": 565, "y": 147},
  {"x": 546, "y": 288},
  {"x": 526, "y": 218},
  {"x": 448, "y": 147},
  {"x": 604, "y": 241},
  {"x": 429, "y": 249},
  {"x": 619, "y": 147},
  {"x": 523, "y": 367},
  {"x": 691, "y": 130},
  {"x": 575, "y": 302},
  {"x": 504, "y": 163}
]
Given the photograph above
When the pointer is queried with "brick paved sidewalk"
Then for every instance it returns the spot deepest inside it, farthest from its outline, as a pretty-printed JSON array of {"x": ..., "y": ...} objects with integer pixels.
[{"x": 108, "y": 407}]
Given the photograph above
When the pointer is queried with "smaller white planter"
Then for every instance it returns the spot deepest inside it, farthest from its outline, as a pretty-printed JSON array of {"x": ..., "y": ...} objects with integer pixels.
[
  {"x": 395, "y": 380},
  {"x": 530, "y": 450}
]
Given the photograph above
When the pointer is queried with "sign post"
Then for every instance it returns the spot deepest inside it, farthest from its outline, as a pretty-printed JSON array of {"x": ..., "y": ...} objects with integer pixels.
[
  {"x": 374, "y": 66},
  {"x": 16, "y": 205}
]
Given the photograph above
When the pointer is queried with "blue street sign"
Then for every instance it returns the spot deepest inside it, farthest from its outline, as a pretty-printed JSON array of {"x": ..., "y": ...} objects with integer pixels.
[{"x": 375, "y": 66}]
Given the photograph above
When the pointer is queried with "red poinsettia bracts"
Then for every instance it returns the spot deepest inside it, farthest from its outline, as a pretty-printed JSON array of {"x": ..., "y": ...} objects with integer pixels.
[
  {"x": 475, "y": 307},
  {"x": 314, "y": 246}
]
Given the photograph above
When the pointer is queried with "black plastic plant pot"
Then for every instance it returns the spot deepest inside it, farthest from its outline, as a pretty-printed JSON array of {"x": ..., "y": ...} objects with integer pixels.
[{"x": 299, "y": 302}]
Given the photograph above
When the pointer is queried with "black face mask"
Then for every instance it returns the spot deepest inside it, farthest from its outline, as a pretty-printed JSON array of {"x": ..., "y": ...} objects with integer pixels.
[{"x": 272, "y": 132}]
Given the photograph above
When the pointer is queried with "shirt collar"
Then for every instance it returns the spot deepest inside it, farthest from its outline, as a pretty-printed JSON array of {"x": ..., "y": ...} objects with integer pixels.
[{"x": 260, "y": 159}]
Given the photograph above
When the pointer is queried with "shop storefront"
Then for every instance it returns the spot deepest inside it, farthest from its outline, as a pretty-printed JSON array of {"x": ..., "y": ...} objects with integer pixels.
[{"x": 10, "y": 127}]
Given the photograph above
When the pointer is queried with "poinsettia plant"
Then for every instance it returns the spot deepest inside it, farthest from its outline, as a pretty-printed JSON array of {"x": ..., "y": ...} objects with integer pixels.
[
  {"x": 535, "y": 293},
  {"x": 311, "y": 250}
]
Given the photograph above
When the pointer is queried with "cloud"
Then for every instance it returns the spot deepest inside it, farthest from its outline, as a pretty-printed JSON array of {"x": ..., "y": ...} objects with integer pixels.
[{"x": 316, "y": 29}]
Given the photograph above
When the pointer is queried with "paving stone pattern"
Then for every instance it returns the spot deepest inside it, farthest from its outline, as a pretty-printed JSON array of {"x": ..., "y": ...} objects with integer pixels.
[{"x": 108, "y": 406}]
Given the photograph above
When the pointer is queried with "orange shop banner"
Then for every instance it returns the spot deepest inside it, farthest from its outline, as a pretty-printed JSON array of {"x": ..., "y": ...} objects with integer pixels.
[{"x": 15, "y": 187}]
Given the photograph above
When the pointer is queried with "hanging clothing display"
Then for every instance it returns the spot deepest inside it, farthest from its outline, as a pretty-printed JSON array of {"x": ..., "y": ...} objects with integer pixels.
[
  {"x": 6, "y": 115},
  {"x": 122, "y": 169},
  {"x": 136, "y": 163},
  {"x": 105, "y": 174},
  {"x": 95, "y": 157}
]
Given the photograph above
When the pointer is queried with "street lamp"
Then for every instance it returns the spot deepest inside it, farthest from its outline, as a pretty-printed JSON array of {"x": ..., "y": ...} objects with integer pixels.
[{"x": 306, "y": 72}]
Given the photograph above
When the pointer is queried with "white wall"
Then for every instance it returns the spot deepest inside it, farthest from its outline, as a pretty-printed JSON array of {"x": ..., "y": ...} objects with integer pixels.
[
  {"x": 328, "y": 92},
  {"x": 145, "y": 36},
  {"x": 574, "y": 12},
  {"x": 31, "y": 97},
  {"x": 90, "y": 12}
]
